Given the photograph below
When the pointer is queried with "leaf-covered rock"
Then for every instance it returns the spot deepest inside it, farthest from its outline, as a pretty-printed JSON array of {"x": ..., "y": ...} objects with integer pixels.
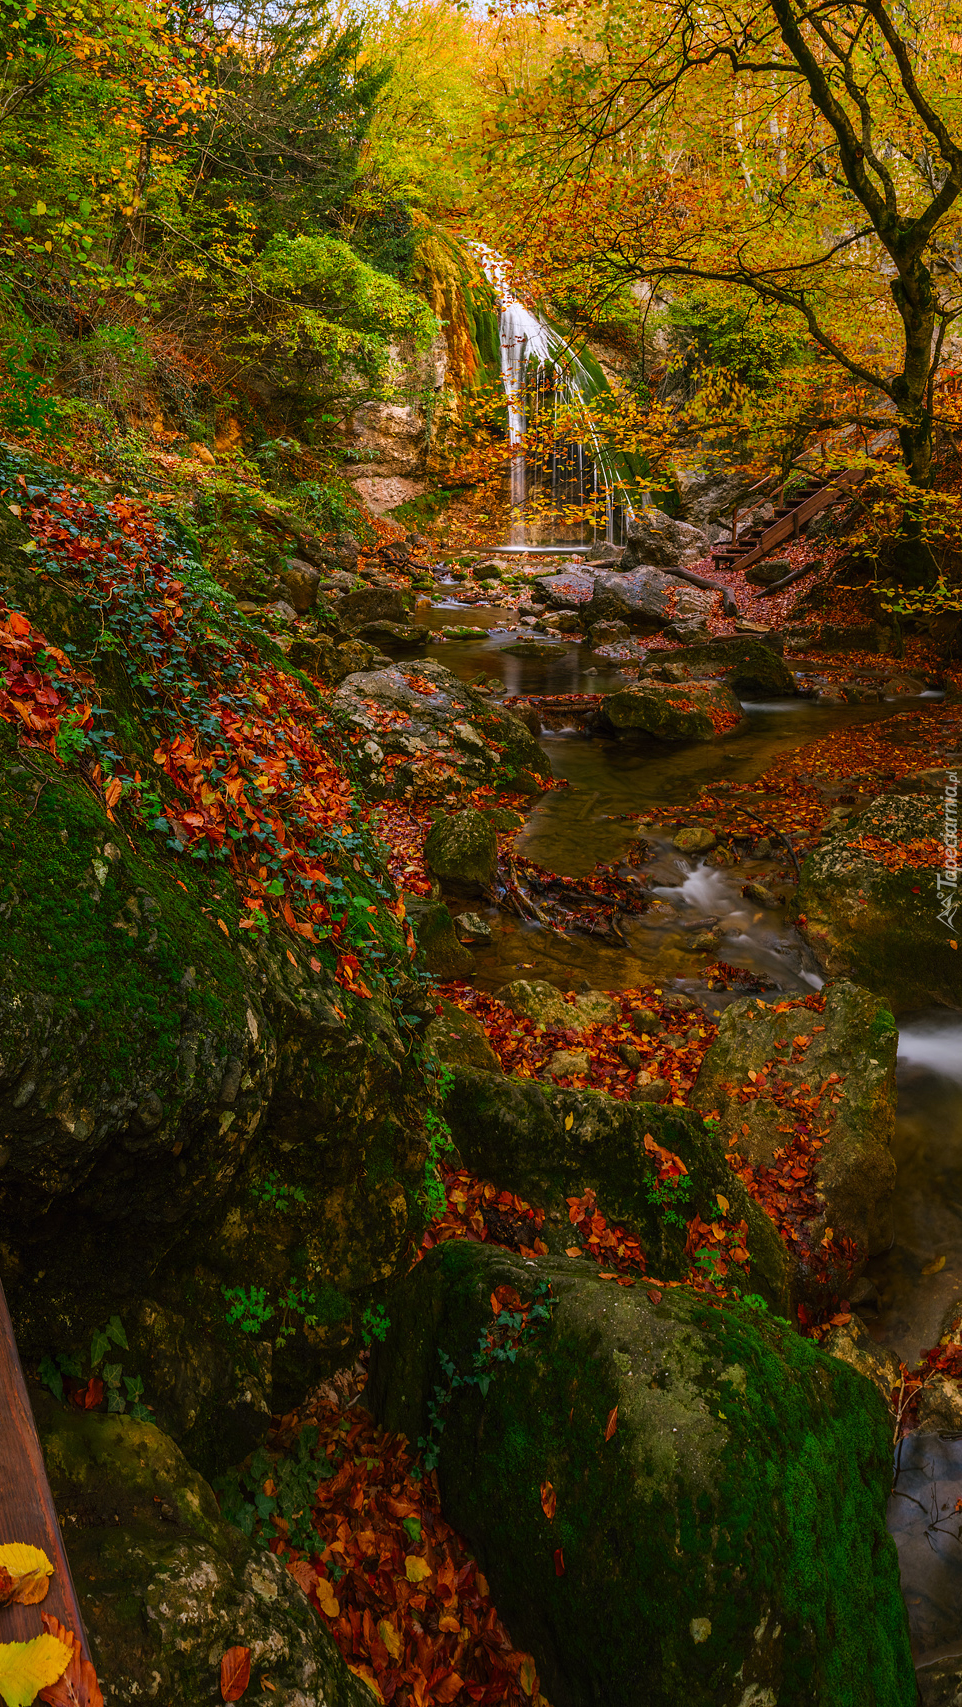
[
  {"x": 689, "y": 711},
  {"x": 719, "y": 1527},
  {"x": 872, "y": 907}
]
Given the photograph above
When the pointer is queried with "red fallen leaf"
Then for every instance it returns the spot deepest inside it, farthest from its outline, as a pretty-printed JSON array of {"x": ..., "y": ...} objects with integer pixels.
[
  {"x": 77, "y": 1686},
  {"x": 19, "y": 624},
  {"x": 504, "y": 1297},
  {"x": 549, "y": 1500},
  {"x": 235, "y": 1673},
  {"x": 559, "y": 1562},
  {"x": 89, "y": 1397},
  {"x": 655, "y": 1297},
  {"x": 612, "y": 1423}
]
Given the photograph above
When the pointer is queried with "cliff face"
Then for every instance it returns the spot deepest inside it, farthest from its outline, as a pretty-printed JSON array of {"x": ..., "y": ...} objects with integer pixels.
[{"x": 209, "y": 1097}]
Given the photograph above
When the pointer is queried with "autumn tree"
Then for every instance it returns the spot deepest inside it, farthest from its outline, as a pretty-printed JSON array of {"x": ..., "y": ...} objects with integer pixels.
[{"x": 807, "y": 156}]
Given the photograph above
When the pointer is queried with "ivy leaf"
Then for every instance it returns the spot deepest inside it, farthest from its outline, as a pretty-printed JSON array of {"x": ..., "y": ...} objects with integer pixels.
[{"x": 99, "y": 1345}]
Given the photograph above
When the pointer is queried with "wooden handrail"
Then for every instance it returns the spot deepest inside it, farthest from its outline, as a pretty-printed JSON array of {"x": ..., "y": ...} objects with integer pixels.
[{"x": 27, "y": 1511}]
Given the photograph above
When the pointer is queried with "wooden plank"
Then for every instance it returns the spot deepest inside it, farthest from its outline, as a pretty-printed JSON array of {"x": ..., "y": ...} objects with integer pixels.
[
  {"x": 27, "y": 1511},
  {"x": 789, "y": 525}
]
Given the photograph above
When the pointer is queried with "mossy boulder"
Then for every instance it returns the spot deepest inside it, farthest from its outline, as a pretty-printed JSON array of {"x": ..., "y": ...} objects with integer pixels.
[
  {"x": 754, "y": 1074},
  {"x": 459, "y": 1039},
  {"x": 871, "y": 905},
  {"x": 419, "y": 731},
  {"x": 440, "y": 951},
  {"x": 748, "y": 666},
  {"x": 647, "y": 601},
  {"x": 548, "y": 1144},
  {"x": 668, "y": 711},
  {"x": 166, "y": 1586},
  {"x": 725, "y": 1543},
  {"x": 535, "y": 999},
  {"x": 462, "y": 852}
]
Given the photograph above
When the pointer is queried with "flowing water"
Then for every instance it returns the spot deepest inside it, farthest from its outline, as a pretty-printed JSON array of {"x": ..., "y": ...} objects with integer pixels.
[{"x": 572, "y": 829}]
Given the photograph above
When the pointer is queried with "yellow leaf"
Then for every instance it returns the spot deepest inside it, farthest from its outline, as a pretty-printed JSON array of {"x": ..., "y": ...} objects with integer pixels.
[
  {"x": 392, "y": 1637},
  {"x": 326, "y": 1599},
  {"x": 25, "y": 1574},
  {"x": 934, "y": 1266},
  {"x": 569, "y": 1122},
  {"x": 415, "y": 1569},
  {"x": 527, "y": 1676},
  {"x": 28, "y": 1667},
  {"x": 722, "y": 1203}
]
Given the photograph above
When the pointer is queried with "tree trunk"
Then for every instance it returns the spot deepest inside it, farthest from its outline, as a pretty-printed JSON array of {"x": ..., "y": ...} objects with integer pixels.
[{"x": 915, "y": 301}]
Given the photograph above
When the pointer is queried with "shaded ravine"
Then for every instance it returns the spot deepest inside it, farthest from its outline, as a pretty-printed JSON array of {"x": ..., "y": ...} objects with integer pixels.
[{"x": 573, "y": 828}]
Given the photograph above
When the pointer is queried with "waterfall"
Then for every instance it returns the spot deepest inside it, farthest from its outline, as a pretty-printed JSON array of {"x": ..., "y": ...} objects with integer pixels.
[{"x": 538, "y": 365}]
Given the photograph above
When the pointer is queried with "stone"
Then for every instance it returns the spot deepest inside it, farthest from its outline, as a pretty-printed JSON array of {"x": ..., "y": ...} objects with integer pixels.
[
  {"x": 657, "y": 539},
  {"x": 694, "y": 711},
  {"x": 370, "y": 604},
  {"x": 282, "y": 612},
  {"x": 707, "y": 490},
  {"x": 696, "y": 840},
  {"x": 605, "y": 633},
  {"x": 559, "y": 592},
  {"x": 436, "y": 743},
  {"x": 440, "y": 950},
  {"x": 743, "y": 1464},
  {"x": 747, "y": 664},
  {"x": 165, "y": 1584},
  {"x": 530, "y": 649},
  {"x": 470, "y": 926},
  {"x": 462, "y": 852},
  {"x": 760, "y": 893},
  {"x": 889, "y": 929},
  {"x": 852, "y": 1343},
  {"x": 854, "y": 1037},
  {"x": 903, "y": 687},
  {"x": 301, "y": 582},
  {"x": 399, "y": 634},
  {"x": 534, "y": 999},
  {"x": 568, "y": 1063},
  {"x": 548, "y": 1144},
  {"x": 646, "y": 600},
  {"x": 939, "y": 1405},
  {"x": 768, "y": 571},
  {"x": 646, "y": 1022},
  {"x": 459, "y": 1039},
  {"x": 657, "y": 1090}
]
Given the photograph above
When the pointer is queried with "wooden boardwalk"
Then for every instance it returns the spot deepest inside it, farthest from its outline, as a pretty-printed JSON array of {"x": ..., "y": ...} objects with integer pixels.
[
  {"x": 787, "y": 523},
  {"x": 27, "y": 1511}
]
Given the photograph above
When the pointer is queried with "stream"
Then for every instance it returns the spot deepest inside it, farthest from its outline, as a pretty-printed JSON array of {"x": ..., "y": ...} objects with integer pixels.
[{"x": 572, "y": 829}]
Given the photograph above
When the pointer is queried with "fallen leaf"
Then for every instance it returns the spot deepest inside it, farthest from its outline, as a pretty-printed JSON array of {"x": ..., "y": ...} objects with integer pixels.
[
  {"x": 78, "y": 1686},
  {"x": 326, "y": 1598},
  {"x": 416, "y": 1570},
  {"x": 235, "y": 1673},
  {"x": 934, "y": 1266},
  {"x": 113, "y": 791},
  {"x": 391, "y": 1637},
  {"x": 559, "y": 1562},
  {"x": 612, "y": 1423},
  {"x": 572, "y": 1250},
  {"x": 722, "y": 1202},
  {"x": 25, "y": 1574},
  {"x": 569, "y": 1122},
  {"x": 527, "y": 1675},
  {"x": 549, "y": 1500},
  {"x": 28, "y": 1667}
]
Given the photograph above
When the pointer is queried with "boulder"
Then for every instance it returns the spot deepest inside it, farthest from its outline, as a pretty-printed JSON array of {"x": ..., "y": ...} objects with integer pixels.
[
  {"x": 605, "y": 633},
  {"x": 654, "y": 538},
  {"x": 165, "y": 1585},
  {"x": 747, "y": 665},
  {"x": 419, "y": 730},
  {"x": 852, "y": 1343},
  {"x": 875, "y": 905},
  {"x": 754, "y": 1072},
  {"x": 572, "y": 586},
  {"x": 694, "y": 711},
  {"x": 707, "y": 490},
  {"x": 768, "y": 571},
  {"x": 717, "y": 1486},
  {"x": 459, "y": 1039},
  {"x": 462, "y": 852},
  {"x": 471, "y": 927},
  {"x": 440, "y": 951},
  {"x": 549, "y": 1144},
  {"x": 542, "y": 1002},
  {"x": 647, "y": 601},
  {"x": 301, "y": 582},
  {"x": 371, "y": 604},
  {"x": 696, "y": 840},
  {"x": 402, "y": 635}
]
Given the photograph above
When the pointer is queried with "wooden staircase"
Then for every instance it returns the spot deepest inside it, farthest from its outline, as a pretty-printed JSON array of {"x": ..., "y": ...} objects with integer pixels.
[{"x": 788, "y": 521}]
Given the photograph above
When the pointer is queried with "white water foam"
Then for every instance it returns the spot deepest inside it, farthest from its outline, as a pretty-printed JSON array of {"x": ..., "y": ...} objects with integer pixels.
[{"x": 935, "y": 1045}]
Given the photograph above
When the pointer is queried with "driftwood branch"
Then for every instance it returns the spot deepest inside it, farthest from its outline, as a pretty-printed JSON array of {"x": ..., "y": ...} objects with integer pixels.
[{"x": 729, "y": 606}]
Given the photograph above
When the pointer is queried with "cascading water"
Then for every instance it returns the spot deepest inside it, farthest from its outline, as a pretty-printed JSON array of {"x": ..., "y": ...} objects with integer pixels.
[{"x": 547, "y": 386}]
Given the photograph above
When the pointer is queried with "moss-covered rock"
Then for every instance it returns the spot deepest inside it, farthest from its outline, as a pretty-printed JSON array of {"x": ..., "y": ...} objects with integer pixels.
[
  {"x": 847, "y": 1065},
  {"x": 533, "y": 998},
  {"x": 462, "y": 852},
  {"x": 692, "y": 711},
  {"x": 459, "y": 1039},
  {"x": 440, "y": 950},
  {"x": 747, "y": 665},
  {"x": 726, "y": 1543},
  {"x": 166, "y": 1586},
  {"x": 871, "y": 904},
  {"x": 549, "y": 1144}
]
